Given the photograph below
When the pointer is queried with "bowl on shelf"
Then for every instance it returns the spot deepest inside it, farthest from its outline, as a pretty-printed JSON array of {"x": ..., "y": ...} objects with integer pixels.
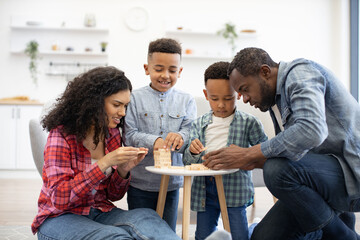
[{"x": 33, "y": 23}]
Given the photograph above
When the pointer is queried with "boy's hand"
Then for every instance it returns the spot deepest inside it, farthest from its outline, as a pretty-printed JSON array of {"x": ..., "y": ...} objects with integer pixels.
[
  {"x": 174, "y": 140},
  {"x": 159, "y": 143},
  {"x": 196, "y": 147}
]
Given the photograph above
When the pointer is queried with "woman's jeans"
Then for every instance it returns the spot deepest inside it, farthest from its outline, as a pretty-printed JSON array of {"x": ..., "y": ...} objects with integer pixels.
[
  {"x": 310, "y": 192},
  {"x": 207, "y": 221},
  {"x": 140, "y": 223},
  {"x": 137, "y": 198}
]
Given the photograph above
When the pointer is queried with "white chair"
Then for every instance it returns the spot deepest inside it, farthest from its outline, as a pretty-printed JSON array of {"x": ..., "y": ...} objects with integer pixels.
[
  {"x": 38, "y": 138},
  {"x": 258, "y": 181}
]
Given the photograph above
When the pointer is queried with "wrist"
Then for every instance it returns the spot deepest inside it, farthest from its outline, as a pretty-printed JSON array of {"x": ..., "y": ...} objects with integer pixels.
[
  {"x": 255, "y": 153},
  {"x": 102, "y": 165},
  {"x": 122, "y": 173}
]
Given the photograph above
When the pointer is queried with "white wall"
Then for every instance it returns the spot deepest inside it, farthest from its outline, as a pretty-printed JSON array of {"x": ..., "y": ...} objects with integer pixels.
[{"x": 288, "y": 29}]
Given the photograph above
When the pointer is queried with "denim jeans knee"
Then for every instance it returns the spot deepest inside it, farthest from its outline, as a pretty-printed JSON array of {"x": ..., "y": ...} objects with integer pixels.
[
  {"x": 272, "y": 170},
  {"x": 312, "y": 188}
]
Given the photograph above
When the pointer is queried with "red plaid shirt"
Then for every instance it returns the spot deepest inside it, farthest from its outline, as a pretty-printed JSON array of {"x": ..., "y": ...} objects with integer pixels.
[{"x": 71, "y": 183}]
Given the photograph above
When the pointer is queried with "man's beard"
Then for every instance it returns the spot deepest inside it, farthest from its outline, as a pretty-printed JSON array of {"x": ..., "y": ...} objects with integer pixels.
[{"x": 268, "y": 97}]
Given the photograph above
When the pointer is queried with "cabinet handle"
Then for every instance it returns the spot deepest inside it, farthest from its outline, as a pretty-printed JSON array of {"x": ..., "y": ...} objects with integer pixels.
[
  {"x": 13, "y": 113},
  {"x": 18, "y": 113}
]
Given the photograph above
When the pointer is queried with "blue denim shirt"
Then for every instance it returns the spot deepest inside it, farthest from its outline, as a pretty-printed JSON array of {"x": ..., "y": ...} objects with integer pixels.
[
  {"x": 318, "y": 115},
  {"x": 152, "y": 114}
]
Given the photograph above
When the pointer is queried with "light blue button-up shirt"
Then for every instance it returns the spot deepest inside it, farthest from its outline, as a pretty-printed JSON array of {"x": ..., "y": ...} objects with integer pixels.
[
  {"x": 318, "y": 115},
  {"x": 152, "y": 114}
]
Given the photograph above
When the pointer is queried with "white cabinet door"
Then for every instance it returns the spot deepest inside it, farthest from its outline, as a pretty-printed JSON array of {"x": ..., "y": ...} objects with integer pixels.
[
  {"x": 24, "y": 159},
  {"x": 15, "y": 148},
  {"x": 8, "y": 136}
]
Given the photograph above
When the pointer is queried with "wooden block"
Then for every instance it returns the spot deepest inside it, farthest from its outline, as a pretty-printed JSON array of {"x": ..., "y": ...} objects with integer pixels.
[{"x": 162, "y": 158}]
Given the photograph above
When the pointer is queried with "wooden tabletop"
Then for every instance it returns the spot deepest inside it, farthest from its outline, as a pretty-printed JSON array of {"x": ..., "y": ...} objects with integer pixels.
[{"x": 19, "y": 102}]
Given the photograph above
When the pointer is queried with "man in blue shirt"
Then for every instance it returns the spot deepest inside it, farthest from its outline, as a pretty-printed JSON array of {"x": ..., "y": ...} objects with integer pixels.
[{"x": 312, "y": 165}]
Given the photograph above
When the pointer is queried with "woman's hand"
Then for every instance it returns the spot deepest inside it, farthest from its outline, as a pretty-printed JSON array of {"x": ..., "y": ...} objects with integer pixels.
[
  {"x": 124, "y": 168},
  {"x": 124, "y": 157}
]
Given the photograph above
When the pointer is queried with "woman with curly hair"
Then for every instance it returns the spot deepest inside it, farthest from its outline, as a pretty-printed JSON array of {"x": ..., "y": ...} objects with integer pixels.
[{"x": 86, "y": 168}]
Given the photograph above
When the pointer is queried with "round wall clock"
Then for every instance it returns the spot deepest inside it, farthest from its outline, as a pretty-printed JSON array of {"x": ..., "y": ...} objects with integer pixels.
[{"x": 137, "y": 18}]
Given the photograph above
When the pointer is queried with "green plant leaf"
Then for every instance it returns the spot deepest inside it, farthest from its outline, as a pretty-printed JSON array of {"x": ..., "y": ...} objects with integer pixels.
[{"x": 32, "y": 51}]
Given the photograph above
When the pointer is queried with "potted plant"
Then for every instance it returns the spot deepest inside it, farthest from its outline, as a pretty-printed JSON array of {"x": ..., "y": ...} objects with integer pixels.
[
  {"x": 103, "y": 46},
  {"x": 229, "y": 33},
  {"x": 32, "y": 51}
]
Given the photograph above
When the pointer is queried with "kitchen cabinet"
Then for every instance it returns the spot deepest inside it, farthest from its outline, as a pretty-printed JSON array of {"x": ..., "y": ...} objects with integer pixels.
[{"x": 15, "y": 145}]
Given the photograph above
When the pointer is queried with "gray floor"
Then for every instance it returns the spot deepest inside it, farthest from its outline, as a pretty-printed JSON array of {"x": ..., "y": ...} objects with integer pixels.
[
  {"x": 24, "y": 232},
  {"x": 16, "y": 233}
]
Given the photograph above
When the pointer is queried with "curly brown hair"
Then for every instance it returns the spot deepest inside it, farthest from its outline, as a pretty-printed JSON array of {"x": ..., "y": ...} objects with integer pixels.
[
  {"x": 82, "y": 105},
  {"x": 249, "y": 60},
  {"x": 164, "y": 45},
  {"x": 217, "y": 70}
]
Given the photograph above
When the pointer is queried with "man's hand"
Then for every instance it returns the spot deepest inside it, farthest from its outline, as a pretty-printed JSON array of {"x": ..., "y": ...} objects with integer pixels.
[{"x": 235, "y": 157}]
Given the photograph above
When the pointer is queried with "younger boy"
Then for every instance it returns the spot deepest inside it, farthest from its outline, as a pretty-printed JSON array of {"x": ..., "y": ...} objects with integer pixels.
[
  {"x": 221, "y": 127},
  {"x": 159, "y": 116}
]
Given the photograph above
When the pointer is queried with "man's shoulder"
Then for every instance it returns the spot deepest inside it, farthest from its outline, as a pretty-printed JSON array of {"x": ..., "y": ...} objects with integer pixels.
[{"x": 298, "y": 64}]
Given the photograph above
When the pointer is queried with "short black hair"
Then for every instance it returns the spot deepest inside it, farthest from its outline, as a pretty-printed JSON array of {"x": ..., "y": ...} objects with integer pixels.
[
  {"x": 164, "y": 45},
  {"x": 248, "y": 61},
  {"x": 218, "y": 70}
]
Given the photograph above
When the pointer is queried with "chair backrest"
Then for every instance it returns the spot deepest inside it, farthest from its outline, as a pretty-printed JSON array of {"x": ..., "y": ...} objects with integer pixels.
[
  {"x": 38, "y": 138},
  {"x": 258, "y": 178}
]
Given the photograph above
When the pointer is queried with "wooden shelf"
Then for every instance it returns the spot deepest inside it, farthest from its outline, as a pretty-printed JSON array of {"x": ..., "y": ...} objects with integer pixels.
[
  {"x": 49, "y": 28},
  {"x": 190, "y": 56},
  {"x": 207, "y": 33},
  {"x": 69, "y": 53}
]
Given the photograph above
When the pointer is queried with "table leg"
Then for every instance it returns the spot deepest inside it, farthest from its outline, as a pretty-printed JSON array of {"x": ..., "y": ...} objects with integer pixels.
[
  {"x": 186, "y": 207},
  {"x": 222, "y": 201},
  {"x": 162, "y": 194}
]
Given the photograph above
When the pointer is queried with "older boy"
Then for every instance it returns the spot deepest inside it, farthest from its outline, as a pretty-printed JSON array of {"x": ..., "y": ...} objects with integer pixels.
[
  {"x": 222, "y": 127},
  {"x": 159, "y": 116}
]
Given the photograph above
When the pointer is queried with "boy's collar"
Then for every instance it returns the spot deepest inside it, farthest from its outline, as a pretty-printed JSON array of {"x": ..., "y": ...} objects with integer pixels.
[{"x": 160, "y": 93}]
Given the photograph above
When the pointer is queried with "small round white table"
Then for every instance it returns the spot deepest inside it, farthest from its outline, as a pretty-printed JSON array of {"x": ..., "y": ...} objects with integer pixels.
[{"x": 166, "y": 173}]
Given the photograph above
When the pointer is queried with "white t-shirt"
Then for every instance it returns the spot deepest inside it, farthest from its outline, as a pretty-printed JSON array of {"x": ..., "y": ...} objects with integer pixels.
[
  {"x": 217, "y": 133},
  {"x": 278, "y": 116}
]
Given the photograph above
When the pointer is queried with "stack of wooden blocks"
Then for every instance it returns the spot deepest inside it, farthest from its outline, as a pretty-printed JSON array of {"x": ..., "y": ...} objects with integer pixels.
[{"x": 162, "y": 158}]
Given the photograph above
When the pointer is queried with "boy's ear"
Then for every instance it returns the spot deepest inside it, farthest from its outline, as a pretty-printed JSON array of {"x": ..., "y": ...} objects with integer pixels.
[
  {"x": 180, "y": 70},
  {"x": 205, "y": 94},
  {"x": 146, "y": 67}
]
